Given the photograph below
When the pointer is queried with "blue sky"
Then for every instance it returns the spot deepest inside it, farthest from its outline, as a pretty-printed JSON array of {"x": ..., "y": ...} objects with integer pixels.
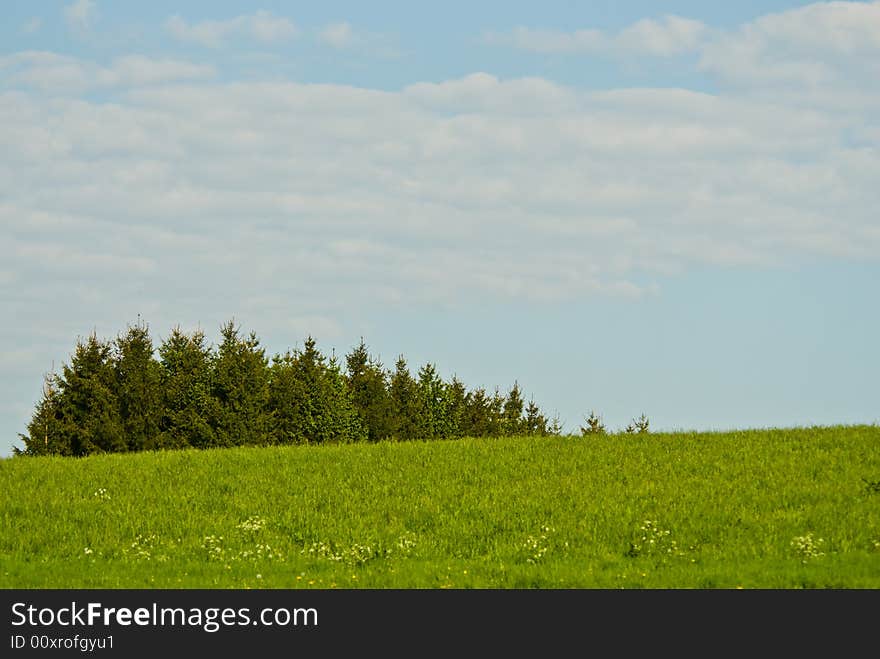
[{"x": 628, "y": 207}]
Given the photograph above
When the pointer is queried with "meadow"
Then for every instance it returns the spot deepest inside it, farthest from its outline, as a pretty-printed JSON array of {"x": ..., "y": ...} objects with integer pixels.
[{"x": 785, "y": 508}]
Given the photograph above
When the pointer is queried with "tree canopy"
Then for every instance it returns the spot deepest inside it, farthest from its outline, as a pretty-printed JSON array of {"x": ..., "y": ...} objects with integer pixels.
[{"x": 127, "y": 395}]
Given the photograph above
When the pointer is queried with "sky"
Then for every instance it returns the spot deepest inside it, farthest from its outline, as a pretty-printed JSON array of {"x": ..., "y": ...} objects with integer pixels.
[{"x": 666, "y": 208}]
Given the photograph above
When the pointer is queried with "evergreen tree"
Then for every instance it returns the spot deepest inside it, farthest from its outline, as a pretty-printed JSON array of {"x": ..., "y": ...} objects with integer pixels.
[
  {"x": 456, "y": 407},
  {"x": 368, "y": 384},
  {"x": 310, "y": 400},
  {"x": 555, "y": 426},
  {"x": 188, "y": 408},
  {"x": 433, "y": 420},
  {"x": 402, "y": 389},
  {"x": 342, "y": 421},
  {"x": 138, "y": 387},
  {"x": 638, "y": 426},
  {"x": 473, "y": 419},
  {"x": 309, "y": 409},
  {"x": 289, "y": 401},
  {"x": 483, "y": 413},
  {"x": 241, "y": 388},
  {"x": 45, "y": 434},
  {"x": 496, "y": 413},
  {"x": 535, "y": 421},
  {"x": 118, "y": 397},
  {"x": 594, "y": 425},
  {"x": 88, "y": 406},
  {"x": 512, "y": 412}
]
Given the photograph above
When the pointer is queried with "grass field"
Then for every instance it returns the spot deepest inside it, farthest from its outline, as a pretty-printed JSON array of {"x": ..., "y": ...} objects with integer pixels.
[{"x": 755, "y": 509}]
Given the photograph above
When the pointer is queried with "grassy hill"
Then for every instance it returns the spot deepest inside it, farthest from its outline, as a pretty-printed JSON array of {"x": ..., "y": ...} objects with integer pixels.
[{"x": 770, "y": 508}]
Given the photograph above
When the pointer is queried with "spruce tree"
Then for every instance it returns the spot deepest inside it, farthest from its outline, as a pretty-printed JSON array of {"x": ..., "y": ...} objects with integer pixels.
[
  {"x": 483, "y": 413},
  {"x": 310, "y": 400},
  {"x": 118, "y": 397},
  {"x": 241, "y": 388},
  {"x": 433, "y": 420},
  {"x": 88, "y": 405},
  {"x": 289, "y": 402},
  {"x": 309, "y": 409},
  {"x": 512, "y": 412},
  {"x": 138, "y": 387},
  {"x": 342, "y": 422},
  {"x": 594, "y": 426},
  {"x": 496, "y": 413},
  {"x": 456, "y": 407},
  {"x": 45, "y": 433},
  {"x": 368, "y": 384},
  {"x": 475, "y": 421},
  {"x": 535, "y": 421},
  {"x": 188, "y": 407},
  {"x": 404, "y": 402}
]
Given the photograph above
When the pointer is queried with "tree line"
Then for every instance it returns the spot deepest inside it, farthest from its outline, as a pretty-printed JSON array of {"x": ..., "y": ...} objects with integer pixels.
[{"x": 125, "y": 395}]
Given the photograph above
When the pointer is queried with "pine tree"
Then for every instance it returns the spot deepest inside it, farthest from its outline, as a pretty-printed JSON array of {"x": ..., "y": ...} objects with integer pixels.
[
  {"x": 594, "y": 426},
  {"x": 512, "y": 412},
  {"x": 482, "y": 416},
  {"x": 496, "y": 414},
  {"x": 432, "y": 420},
  {"x": 402, "y": 389},
  {"x": 343, "y": 423},
  {"x": 638, "y": 426},
  {"x": 118, "y": 397},
  {"x": 535, "y": 421},
  {"x": 45, "y": 435},
  {"x": 308, "y": 409},
  {"x": 368, "y": 384},
  {"x": 555, "y": 426},
  {"x": 88, "y": 406},
  {"x": 138, "y": 387},
  {"x": 310, "y": 400},
  {"x": 288, "y": 401},
  {"x": 188, "y": 408},
  {"x": 456, "y": 407},
  {"x": 241, "y": 388},
  {"x": 473, "y": 419}
]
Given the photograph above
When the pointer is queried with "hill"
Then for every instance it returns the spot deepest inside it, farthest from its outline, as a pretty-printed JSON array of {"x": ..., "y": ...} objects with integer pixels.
[{"x": 763, "y": 508}]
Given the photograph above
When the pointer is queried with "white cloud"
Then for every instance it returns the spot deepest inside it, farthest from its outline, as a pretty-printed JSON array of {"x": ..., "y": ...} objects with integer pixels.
[
  {"x": 63, "y": 258},
  {"x": 308, "y": 201},
  {"x": 262, "y": 26},
  {"x": 81, "y": 14},
  {"x": 337, "y": 196},
  {"x": 483, "y": 90},
  {"x": 848, "y": 28},
  {"x": 61, "y": 74},
  {"x": 136, "y": 70},
  {"x": 296, "y": 206},
  {"x": 806, "y": 47},
  {"x": 671, "y": 35},
  {"x": 265, "y": 27},
  {"x": 337, "y": 35},
  {"x": 43, "y": 70},
  {"x": 344, "y": 36},
  {"x": 815, "y": 45}
]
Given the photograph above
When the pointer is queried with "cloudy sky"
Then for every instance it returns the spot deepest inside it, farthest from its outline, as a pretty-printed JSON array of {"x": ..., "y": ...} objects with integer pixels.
[{"x": 668, "y": 208}]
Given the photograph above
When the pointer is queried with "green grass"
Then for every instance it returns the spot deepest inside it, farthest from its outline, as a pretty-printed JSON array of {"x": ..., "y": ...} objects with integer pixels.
[{"x": 564, "y": 512}]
